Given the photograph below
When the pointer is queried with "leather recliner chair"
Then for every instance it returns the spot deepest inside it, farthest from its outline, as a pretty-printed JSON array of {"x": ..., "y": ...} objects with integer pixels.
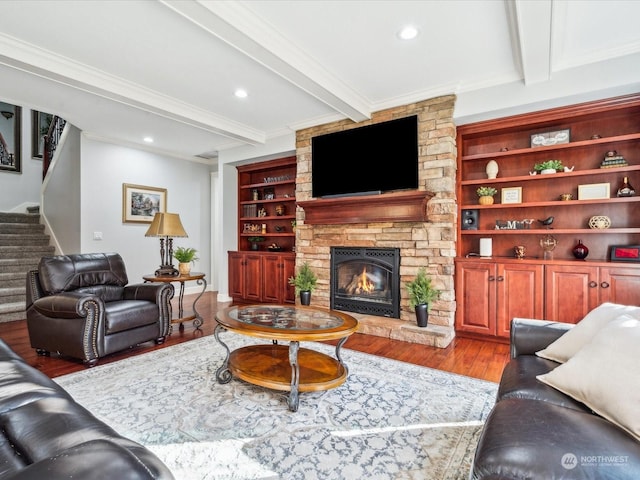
[{"x": 81, "y": 306}]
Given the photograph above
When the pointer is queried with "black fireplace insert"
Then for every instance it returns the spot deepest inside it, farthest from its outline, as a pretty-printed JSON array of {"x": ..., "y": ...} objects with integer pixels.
[{"x": 366, "y": 280}]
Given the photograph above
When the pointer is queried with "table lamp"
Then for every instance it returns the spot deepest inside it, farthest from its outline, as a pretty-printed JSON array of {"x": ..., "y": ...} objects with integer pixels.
[{"x": 166, "y": 226}]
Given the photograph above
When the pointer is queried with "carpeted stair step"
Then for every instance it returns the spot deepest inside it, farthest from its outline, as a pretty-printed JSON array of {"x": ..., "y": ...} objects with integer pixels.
[
  {"x": 9, "y": 265},
  {"x": 8, "y": 217},
  {"x": 9, "y": 252},
  {"x": 12, "y": 239},
  {"x": 12, "y": 279},
  {"x": 13, "y": 295},
  {"x": 22, "y": 228},
  {"x": 10, "y": 312}
]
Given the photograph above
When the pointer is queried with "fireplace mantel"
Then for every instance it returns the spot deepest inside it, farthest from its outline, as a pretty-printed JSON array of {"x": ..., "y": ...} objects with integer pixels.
[{"x": 387, "y": 207}]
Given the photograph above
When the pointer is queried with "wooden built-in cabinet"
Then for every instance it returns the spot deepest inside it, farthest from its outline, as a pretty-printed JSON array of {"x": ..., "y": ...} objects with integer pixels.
[
  {"x": 261, "y": 277},
  {"x": 266, "y": 209},
  {"x": 570, "y": 287},
  {"x": 490, "y": 294}
]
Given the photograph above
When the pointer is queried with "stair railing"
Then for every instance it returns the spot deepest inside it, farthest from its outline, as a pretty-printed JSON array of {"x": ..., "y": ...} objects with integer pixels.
[{"x": 51, "y": 140}]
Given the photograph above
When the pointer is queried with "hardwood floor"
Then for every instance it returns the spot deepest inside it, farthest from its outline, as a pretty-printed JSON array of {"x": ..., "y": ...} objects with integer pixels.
[{"x": 474, "y": 358}]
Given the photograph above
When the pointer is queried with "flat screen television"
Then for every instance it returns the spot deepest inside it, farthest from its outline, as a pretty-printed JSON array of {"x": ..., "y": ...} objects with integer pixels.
[{"x": 377, "y": 158}]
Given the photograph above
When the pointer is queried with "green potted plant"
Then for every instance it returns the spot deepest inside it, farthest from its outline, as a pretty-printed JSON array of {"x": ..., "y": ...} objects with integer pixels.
[
  {"x": 254, "y": 242},
  {"x": 185, "y": 257},
  {"x": 549, "y": 166},
  {"x": 485, "y": 195},
  {"x": 304, "y": 282},
  {"x": 421, "y": 295}
]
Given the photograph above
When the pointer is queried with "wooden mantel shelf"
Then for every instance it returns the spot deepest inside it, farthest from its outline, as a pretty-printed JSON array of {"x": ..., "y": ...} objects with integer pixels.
[{"x": 388, "y": 207}]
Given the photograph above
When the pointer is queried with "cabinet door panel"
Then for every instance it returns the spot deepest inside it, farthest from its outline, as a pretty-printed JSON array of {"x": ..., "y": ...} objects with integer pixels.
[
  {"x": 236, "y": 275},
  {"x": 272, "y": 278},
  {"x": 571, "y": 292},
  {"x": 252, "y": 277},
  {"x": 476, "y": 312},
  {"x": 520, "y": 294},
  {"x": 289, "y": 270},
  {"x": 620, "y": 285}
]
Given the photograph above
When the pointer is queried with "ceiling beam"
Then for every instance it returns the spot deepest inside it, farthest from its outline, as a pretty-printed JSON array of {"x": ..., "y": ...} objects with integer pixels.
[
  {"x": 530, "y": 28},
  {"x": 242, "y": 29}
]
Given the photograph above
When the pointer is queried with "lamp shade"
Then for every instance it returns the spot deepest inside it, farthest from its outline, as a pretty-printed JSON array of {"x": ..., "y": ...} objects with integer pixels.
[{"x": 166, "y": 225}]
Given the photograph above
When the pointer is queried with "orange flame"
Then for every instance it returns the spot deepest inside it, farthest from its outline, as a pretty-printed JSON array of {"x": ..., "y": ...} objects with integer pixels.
[{"x": 364, "y": 285}]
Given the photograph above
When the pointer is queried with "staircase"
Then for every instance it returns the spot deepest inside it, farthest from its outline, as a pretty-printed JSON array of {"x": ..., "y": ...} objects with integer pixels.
[{"x": 22, "y": 244}]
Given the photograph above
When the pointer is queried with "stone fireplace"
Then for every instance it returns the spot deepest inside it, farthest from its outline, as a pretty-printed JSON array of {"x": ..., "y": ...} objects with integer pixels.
[
  {"x": 421, "y": 224},
  {"x": 366, "y": 280}
]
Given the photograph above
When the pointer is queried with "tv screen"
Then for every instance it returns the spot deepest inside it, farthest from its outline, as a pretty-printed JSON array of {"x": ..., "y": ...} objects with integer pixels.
[{"x": 374, "y": 159}]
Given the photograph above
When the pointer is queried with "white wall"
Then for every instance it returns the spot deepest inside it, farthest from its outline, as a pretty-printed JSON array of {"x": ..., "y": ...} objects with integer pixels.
[
  {"x": 105, "y": 167},
  {"x": 19, "y": 190}
]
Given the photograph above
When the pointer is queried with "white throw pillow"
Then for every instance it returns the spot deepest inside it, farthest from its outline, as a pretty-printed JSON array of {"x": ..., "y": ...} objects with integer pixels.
[
  {"x": 568, "y": 344},
  {"x": 604, "y": 374}
]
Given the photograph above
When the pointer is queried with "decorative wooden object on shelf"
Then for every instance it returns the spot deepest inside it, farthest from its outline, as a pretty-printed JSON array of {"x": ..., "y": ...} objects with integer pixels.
[{"x": 388, "y": 207}]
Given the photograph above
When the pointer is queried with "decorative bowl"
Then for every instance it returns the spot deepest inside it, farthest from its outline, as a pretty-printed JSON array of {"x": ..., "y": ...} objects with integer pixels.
[{"x": 599, "y": 222}]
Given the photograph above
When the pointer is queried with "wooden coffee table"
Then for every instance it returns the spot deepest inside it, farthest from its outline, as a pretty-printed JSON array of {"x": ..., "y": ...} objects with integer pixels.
[{"x": 281, "y": 367}]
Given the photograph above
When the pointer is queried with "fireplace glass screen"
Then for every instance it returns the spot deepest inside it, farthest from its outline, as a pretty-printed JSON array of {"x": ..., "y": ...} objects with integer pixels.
[{"x": 366, "y": 280}]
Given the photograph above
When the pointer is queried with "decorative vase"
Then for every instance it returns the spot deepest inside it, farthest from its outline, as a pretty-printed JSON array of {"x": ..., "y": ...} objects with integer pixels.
[
  {"x": 492, "y": 169},
  {"x": 580, "y": 251},
  {"x": 254, "y": 246},
  {"x": 485, "y": 200},
  {"x": 184, "y": 268},
  {"x": 305, "y": 297},
  {"x": 548, "y": 171},
  {"x": 422, "y": 314}
]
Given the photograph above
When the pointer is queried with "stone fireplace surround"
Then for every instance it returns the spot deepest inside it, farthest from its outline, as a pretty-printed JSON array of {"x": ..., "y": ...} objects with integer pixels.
[{"x": 422, "y": 224}]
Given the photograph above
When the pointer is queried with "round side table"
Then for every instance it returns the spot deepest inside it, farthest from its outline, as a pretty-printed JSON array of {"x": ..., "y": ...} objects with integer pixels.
[{"x": 193, "y": 276}]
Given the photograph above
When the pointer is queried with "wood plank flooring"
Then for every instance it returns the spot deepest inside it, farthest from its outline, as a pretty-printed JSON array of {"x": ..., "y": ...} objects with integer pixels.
[{"x": 474, "y": 358}]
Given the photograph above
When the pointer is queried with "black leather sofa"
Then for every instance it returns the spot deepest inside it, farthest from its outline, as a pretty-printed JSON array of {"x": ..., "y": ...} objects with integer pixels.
[
  {"x": 536, "y": 432},
  {"x": 81, "y": 306},
  {"x": 46, "y": 435}
]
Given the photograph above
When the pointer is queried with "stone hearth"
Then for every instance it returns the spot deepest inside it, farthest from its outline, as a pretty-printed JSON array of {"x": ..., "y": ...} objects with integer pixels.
[{"x": 425, "y": 234}]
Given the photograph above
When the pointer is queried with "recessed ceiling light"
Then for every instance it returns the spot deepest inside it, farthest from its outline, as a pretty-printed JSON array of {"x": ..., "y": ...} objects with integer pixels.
[
  {"x": 240, "y": 93},
  {"x": 408, "y": 33},
  {"x": 148, "y": 139}
]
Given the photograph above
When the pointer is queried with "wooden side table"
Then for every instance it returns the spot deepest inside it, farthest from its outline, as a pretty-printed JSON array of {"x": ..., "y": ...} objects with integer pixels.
[{"x": 199, "y": 279}]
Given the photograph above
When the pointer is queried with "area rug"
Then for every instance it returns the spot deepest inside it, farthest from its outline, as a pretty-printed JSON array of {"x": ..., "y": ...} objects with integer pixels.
[{"x": 389, "y": 420}]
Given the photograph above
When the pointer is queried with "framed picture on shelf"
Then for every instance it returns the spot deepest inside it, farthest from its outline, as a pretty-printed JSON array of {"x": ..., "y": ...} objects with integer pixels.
[
  {"x": 594, "y": 191},
  {"x": 544, "y": 139},
  {"x": 511, "y": 195},
  {"x": 625, "y": 253},
  {"x": 140, "y": 203}
]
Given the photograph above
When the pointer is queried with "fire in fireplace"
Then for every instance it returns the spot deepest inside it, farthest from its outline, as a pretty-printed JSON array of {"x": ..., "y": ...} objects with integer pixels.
[{"x": 366, "y": 280}]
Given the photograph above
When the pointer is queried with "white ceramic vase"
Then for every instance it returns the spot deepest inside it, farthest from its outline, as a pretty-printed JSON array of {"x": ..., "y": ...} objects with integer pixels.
[{"x": 492, "y": 169}]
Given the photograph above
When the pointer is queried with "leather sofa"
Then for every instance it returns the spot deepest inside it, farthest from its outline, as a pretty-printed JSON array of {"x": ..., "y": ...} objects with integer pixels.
[
  {"x": 537, "y": 432},
  {"x": 45, "y": 434},
  {"x": 81, "y": 306}
]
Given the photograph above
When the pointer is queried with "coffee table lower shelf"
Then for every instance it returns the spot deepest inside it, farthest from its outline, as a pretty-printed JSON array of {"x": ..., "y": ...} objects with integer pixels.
[{"x": 269, "y": 366}]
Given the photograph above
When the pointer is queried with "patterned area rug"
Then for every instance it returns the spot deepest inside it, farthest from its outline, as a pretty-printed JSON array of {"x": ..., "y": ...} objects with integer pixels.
[{"x": 389, "y": 420}]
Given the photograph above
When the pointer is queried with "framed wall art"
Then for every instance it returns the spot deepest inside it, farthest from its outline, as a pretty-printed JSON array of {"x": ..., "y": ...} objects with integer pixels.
[
  {"x": 511, "y": 195},
  {"x": 141, "y": 203},
  {"x": 10, "y": 138}
]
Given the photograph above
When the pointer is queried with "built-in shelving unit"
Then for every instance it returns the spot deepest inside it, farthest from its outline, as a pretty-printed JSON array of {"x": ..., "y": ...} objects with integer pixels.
[{"x": 594, "y": 129}]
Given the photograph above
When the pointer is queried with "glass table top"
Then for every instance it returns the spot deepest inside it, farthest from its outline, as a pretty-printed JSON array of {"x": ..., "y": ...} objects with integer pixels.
[{"x": 286, "y": 317}]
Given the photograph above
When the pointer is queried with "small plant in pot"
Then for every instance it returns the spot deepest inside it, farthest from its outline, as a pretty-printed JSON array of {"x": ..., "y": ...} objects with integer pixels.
[
  {"x": 254, "y": 242},
  {"x": 549, "y": 166},
  {"x": 185, "y": 257},
  {"x": 421, "y": 295},
  {"x": 485, "y": 195},
  {"x": 304, "y": 282}
]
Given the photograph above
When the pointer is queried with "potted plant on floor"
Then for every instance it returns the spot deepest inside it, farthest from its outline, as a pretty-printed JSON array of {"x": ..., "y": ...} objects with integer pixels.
[
  {"x": 304, "y": 282},
  {"x": 185, "y": 257},
  {"x": 421, "y": 295}
]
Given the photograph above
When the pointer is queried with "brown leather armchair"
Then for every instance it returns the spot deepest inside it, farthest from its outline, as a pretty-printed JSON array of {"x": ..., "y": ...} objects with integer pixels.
[{"x": 81, "y": 306}]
